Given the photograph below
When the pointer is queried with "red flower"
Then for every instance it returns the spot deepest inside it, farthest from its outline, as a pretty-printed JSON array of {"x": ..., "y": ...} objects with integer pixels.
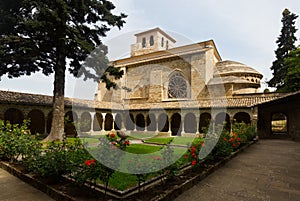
[
  {"x": 194, "y": 162},
  {"x": 232, "y": 139},
  {"x": 157, "y": 158},
  {"x": 225, "y": 139},
  {"x": 89, "y": 162},
  {"x": 233, "y": 145},
  {"x": 127, "y": 143},
  {"x": 185, "y": 156},
  {"x": 239, "y": 143},
  {"x": 112, "y": 135},
  {"x": 193, "y": 149},
  {"x": 239, "y": 139},
  {"x": 194, "y": 155}
]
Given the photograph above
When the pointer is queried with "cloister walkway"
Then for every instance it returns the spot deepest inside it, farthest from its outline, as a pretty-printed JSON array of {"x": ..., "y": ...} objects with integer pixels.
[{"x": 267, "y": 171}]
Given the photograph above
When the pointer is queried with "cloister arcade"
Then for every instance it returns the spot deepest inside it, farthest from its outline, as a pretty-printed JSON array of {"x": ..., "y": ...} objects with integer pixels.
[{"x": 88, "y": 121}]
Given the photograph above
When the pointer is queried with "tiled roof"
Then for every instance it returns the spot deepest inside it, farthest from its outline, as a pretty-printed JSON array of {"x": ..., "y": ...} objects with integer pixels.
[{"x": 231, "y": 102}]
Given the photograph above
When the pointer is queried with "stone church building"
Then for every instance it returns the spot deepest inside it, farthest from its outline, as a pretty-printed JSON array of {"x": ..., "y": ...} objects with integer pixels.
[{"x": 165, "y": 89}]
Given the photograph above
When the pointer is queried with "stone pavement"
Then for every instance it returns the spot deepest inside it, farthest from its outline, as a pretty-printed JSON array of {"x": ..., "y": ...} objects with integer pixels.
[
  {"x": 267, "y": 171},
  {"x": 13, "y": 189}
]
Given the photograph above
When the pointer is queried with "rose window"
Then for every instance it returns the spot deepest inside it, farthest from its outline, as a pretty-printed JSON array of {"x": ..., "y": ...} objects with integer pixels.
[{"x": 177, "y": 87}]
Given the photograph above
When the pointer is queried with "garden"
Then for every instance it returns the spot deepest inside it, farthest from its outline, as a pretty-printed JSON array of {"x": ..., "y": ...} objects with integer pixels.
[{"x": 115, "y": 167}]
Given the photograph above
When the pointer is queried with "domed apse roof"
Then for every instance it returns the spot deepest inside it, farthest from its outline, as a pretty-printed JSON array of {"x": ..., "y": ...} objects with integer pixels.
[
  {"x": 232, "y": 67},
  {"x": 229, "y": 80}
]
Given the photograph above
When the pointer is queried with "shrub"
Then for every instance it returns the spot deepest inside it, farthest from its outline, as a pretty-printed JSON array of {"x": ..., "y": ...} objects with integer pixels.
[{"x": 16, "y": 142}]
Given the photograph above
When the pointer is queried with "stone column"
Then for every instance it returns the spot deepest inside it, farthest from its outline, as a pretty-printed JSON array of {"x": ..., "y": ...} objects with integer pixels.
[
  {"x": 213, "y": 123},
  {"x": 156, "y": 122},
  {"x": 92, "y": 121},
  {"x": 231, "y": 123},
  {"x": 123, "y": 127},
  {"x": 197, "y": 116},
  {"x": 103, "y": 122},
  {"x": 145, "y": 119},
  {"x": 134, "y": 122},
  {"x": 113, "y": 122},
  {"x": 182, "y": 123},
  {"x": 170, "y": 125}
]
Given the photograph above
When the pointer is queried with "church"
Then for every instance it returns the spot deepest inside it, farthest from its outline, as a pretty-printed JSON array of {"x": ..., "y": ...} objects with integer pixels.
[{"x": 181, "y": 90}]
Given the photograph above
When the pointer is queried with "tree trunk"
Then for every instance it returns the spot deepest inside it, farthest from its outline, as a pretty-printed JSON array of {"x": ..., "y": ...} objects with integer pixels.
[{"x": 57, "y": 126}]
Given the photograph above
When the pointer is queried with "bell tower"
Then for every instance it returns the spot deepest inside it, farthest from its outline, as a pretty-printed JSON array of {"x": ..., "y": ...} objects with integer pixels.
[{"x": 152, "y": 40}]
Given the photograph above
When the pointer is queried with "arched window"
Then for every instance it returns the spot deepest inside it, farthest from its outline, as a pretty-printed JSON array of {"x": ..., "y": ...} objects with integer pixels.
[
  {"x": 162, "y": 41},
  {"x": 167, "y": 45},
  {"x": 177, "y": 86},
  {"x": 144, "y": 42},
  {"x": 151, "y": 40}
]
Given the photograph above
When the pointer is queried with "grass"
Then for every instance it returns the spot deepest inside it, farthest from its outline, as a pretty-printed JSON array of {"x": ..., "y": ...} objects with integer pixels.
[
  {"x": 142, "y": 149},
  {"x": 158, "y": 140}
]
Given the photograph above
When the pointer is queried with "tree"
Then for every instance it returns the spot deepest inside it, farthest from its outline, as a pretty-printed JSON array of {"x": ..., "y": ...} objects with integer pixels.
[
  {"x": 285, "y": 42},
  {"x": 292, "y": 63},
  {"x": 52, "y": 36}
]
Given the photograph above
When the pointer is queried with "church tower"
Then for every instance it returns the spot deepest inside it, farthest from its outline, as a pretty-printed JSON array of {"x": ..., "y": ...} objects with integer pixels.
[{"x": 152, "y": 40}]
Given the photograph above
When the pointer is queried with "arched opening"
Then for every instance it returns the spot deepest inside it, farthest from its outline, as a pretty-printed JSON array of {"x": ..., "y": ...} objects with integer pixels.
[
  {"x": 14, "y": 116},
  {"x": 85, "y": 122},
  {"x": 118, "y": 122},
  {"x": 163, "y": 123},
  {"x": 49, "y": 122},
  {"x": 140, "y": 122},
  {"x": 279, "y": 124},
  {"x": 204, "y": 122},
  {"x": 37, "y": 121},
  {"x": 98, "y": 120},
  {"x": 109, "y": 120},
  {"x": 129, "y": 122},
  {"x": 223, "y": 119},
  {"x": 176, "y": 124},
  {"x": 242, "y": 117},
  {"x": 70, "y": 120},
  {"x": 151, "y": 122},
  {"x": 190, "y": 123}
]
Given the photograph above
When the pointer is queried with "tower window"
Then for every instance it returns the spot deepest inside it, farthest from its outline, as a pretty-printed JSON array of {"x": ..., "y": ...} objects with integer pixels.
[
  {"x": 162, "y": 41},
  {"x": 151, "y": 40},
  {"x": 167, "y": 44},
  {"x": 144, "y": 42}
]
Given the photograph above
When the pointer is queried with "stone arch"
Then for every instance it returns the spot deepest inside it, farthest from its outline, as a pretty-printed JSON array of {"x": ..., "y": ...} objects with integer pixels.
[
  {"x": 140, "y": 122},
  {"x": 37, "y": 121},
  {"x": 190, "y": 125},
  {"x": 118, "y": 122},
  {"x": 98, "y": 120},
  {"x": 221, "y": 119},
  {"x": 204, "y": 122},
  {"x": 279, "y": 123},
  {"x": 176, "y": 124},
  {"x": 85, "y": 122},
  {"x": 151, "y": 122},
  {"x": 14, "y": 116},
  {"x": 49, "y": 121},
  {"x": 71, "y": 119},
  {"x": 109, "y": 120},
  {"x": 242, "y": 117},
  {"x": 163, "y": 123},
  {"x": 129, "y": 122}
]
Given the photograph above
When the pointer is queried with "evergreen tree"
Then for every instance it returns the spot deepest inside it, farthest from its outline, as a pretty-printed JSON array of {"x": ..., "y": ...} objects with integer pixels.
[
  {"x": 42, "y": 35},
  {"x": 292, "y": 63},
  {"x": 285, "y": 42}
]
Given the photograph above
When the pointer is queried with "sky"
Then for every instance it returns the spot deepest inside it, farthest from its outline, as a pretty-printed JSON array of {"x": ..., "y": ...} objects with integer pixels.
[{"x": 243, "y": 31}]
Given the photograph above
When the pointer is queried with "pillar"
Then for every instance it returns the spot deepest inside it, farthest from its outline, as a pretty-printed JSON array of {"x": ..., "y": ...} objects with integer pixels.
[
  {"x": 92, "y": 121},
  {"x": 103, "y": 122}
]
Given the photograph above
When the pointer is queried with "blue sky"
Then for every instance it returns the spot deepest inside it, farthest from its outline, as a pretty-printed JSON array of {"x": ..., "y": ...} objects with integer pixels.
[{"x": 244, "y": 31}]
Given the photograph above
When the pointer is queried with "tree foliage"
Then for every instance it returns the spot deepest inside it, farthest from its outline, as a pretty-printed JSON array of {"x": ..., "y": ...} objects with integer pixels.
[
  {"x": 52, "y": 36},
  {"x": 292, "y": 63},
  {"x": 285, "y": 42}
]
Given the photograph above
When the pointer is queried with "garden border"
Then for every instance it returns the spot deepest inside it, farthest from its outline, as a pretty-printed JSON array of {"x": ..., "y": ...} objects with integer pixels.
[{"x": 170, "y": 194}]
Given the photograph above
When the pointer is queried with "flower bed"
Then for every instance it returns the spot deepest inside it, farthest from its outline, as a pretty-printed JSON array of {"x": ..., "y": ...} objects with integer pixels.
[{"x": 82, "y": 177}]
